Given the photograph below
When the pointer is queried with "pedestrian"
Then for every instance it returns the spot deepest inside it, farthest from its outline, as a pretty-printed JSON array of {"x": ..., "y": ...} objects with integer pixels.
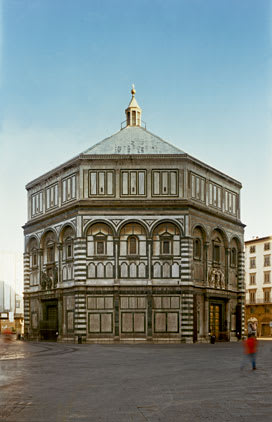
[{"x": 250, "y": 349}]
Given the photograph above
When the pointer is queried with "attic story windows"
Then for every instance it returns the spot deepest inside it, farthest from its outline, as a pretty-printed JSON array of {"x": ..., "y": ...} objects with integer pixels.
[
  {"x": 164, "y": 182},
  {"x": 37, "y": 203},
  {"x": 69, "y": 188},
  {"x": 215, "y": 195},
  {"x": 198, "y": 187},
  {"x": 133, "y": 182},
  {"x": 230, "y": 202},
  {"x": 51, "y": 196},
  {"x": 101, "y": 183}
]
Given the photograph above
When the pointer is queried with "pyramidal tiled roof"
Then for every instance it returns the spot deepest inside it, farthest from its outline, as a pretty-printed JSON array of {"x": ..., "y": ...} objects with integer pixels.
[{"x": 133, "y": 140}]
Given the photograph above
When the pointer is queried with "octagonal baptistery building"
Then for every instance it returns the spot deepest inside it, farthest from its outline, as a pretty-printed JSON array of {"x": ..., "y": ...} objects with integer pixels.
[{"x": 133, "y": 240}]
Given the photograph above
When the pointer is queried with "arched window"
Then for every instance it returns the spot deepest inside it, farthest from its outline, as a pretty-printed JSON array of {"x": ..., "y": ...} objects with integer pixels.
[
  {"x": 132, "y": 245},
  {"x": 197, "y": 248}
]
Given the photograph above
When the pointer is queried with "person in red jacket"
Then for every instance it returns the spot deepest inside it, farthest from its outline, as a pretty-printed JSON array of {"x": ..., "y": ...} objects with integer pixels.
[{"x": 250, "y": 346}]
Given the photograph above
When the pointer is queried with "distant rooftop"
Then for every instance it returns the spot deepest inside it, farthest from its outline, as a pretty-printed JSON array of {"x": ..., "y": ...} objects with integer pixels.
[{"x": 258, "y": 239}]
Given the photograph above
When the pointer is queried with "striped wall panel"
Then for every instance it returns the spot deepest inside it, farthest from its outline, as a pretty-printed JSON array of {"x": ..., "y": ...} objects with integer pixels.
[
  {"x": 186, "y": 257},
  {"x": 26, "y": 316},
  {"x": 187, "y": 313},
  {"x": 26, "y": 270},
  {"x": 80, "y": 260},
  {"x": 80, "y": 314}
]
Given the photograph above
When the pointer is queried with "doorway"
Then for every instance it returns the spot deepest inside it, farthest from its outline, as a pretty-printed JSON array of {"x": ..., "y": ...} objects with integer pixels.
[
  {"x": 49, "y": 323},
  {"x": 216, "y": 320}
]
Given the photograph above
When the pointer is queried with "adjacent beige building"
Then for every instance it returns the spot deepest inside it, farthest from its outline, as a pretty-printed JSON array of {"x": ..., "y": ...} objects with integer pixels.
[
  {"x": 258, "y": 278},
  {"x": 134, "y": 240}
]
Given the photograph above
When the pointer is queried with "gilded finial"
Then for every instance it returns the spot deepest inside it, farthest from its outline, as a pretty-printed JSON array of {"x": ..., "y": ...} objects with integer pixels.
[{"x": 133, "y": 91}]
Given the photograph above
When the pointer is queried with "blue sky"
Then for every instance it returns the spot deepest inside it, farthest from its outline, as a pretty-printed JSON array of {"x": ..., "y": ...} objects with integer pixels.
[{"x": 202, "y": 74}]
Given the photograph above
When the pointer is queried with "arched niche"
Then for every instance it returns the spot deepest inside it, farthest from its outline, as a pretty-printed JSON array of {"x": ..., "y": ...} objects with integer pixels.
[
  {"x": 100, "y": 240},
  {"x": 133, "y": 240},
  {"x": 166, "y": 239}
]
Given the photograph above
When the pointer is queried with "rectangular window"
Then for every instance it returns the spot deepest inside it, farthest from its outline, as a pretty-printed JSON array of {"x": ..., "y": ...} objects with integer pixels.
[
  {"x": 101, "y": 183},
  {"x": 216, "y": 253},
  {"x": 166, "y": 247},
  {"x": 230, "y": 202},
  {"x": 64, "y": 183},
  {"x": 252, "y": 279},
  {"x": 101, "y": 186},
  {"x": 109, "y": 182},
  {"x": 133, "y": 182},
  {"x": 267, "y": 246},
  {"x": 267, "y": 277},
  {"x": 125, "y": 183},
  {"x": 156, "y": 183},
  {"x": 252, "y": 296},
  {"x": 69, "y": 250},
  {"x": 141, "y": 183},
  {"x": 73, "y": 181},
  {"x": 252, "y": 263},
  {"x": 165, "y": 182},
  {"x": 50, "y": 254},
  {"x": 173, "y": 183},
  {"x": 37, "y": 203},
  {"x": 100, "y": 247},
  {"x": 266, "y": 295},
  {"x": 93, "y": 183},
  {"x": 215, "y": 195},
  {"x": 267, "y": 261},
  {"x": 197, "y": 187},
  {"x": 252, "y": 249},
  {"x": 51, "y": 196},
  {"x": 69, "y": 188}
]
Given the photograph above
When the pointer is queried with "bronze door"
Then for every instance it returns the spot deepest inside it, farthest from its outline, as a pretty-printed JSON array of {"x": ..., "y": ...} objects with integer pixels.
[{"x": 215, "y": 320}]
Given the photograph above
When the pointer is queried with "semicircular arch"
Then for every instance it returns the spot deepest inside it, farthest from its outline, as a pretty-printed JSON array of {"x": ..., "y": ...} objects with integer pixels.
[
  {"x": 222, "y": 232},
  {"x": 133, "y": 221},
  {"x": 65, "y": 227},
  {"x": 46, "y": 234},
  {"x": 32, "y": 239},
  {"x": 99, "y": 221},
  {"x": 165, "y": 221},
  {"x": 202, "y": 228}
]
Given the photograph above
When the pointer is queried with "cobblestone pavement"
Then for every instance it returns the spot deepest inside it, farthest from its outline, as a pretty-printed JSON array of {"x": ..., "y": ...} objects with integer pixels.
[{"x": 187, "y": 383}]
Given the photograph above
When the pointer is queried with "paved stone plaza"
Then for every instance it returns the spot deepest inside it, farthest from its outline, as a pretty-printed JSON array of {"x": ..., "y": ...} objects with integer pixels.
[{"x": 122, "y": 383}]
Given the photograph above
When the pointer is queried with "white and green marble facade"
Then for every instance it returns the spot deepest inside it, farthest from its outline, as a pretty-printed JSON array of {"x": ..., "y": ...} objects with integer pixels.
[{"x": 133, "y": 240}]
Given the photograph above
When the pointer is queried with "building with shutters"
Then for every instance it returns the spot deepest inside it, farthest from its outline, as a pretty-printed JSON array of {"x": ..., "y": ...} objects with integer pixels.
[
  {"x": 258, "y": 279},
  {"x": 133, "y": 240}
]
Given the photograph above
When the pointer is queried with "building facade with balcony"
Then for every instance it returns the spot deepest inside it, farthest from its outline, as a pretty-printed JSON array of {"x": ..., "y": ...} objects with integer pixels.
[
  {"x": 133, "y": 240},
  {"x": 258, "y": 278}
]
